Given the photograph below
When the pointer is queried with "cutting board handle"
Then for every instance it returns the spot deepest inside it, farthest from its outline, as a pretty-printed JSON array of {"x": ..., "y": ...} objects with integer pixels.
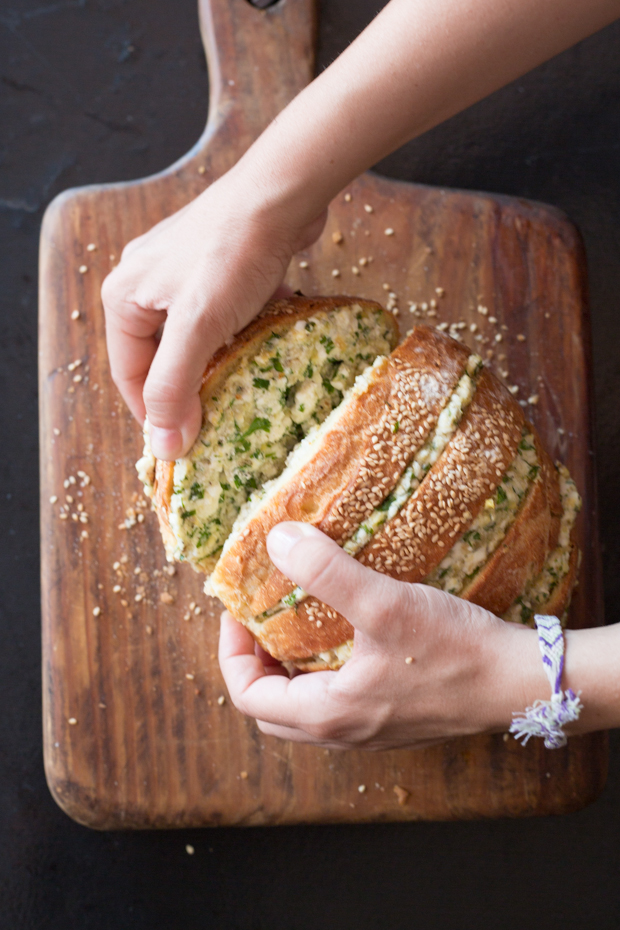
[{"x": 258, "y": 60}]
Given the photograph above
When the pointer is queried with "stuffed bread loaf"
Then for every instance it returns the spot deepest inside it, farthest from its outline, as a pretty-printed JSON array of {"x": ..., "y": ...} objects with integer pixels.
[{"x": 426, "y": 471}]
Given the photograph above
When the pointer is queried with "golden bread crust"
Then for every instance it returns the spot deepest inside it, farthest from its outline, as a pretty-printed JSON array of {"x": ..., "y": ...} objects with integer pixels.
[
  {"x": 357, "y": 464},
  {"x": 415, "y": 541}
]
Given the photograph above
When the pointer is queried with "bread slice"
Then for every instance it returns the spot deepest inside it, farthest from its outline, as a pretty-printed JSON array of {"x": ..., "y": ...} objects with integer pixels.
[{"x": 282, "y": 375}]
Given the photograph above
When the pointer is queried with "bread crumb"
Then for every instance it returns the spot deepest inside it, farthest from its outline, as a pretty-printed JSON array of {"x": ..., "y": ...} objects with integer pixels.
[
  {"x": 520, "y": 337},
  {"x": 166, "y": 598},
  {"x": 149, "y": 629},
  {"x": 337, "y": 237},
  {"x": 190, "y": 676},
  {"x": 402, "y": 794},
  {"x": 440, "y": 291},
  {"x": 533, "y": 399},
  {"x": 243, "y": 775}
]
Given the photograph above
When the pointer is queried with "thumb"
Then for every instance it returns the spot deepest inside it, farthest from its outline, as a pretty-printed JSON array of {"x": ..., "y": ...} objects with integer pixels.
[{"x": 318, "y": 565}]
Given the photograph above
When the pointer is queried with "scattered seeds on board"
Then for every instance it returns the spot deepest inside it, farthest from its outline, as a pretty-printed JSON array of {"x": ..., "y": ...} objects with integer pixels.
[
  {"x": 348, "y": 198},
  {"x": 303, "y": 264},
  {"x": 202, "y": 169},
  {"x": 389, "y": 231},
  {"x": 190, "y": 676},
  {"x": 189, "y": 849},
  {"x": 75, "y": 315},
  {"x": 96, "y": 611},
  {"x": 166, "y": 598},
  {"x": 243, "y": 775},
  {"x": 83, "y": 269},
  {"x": 368, "y": 208},
  {"x": 361, "y": 789},
  {"x": 72, "y": 721},
  {"x": 408, "y": 660},
  {"x": 221, "y": 700},
  {"x": 335, "y": 273},
  {"x": 533, "y": 399},
  {"x": 520, "y": 337},
  {"x": 355, "y": 270},
  {"x": 337, "y": 237},
  {"x": 91, "y": 247}
]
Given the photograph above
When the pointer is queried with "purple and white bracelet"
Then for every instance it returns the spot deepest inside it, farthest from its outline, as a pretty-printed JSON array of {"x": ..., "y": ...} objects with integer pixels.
[{"x": 546, "y": 718}]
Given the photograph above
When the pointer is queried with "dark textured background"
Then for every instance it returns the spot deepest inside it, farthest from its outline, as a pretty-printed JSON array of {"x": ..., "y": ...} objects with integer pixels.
[{"x": 103, "y": 90}]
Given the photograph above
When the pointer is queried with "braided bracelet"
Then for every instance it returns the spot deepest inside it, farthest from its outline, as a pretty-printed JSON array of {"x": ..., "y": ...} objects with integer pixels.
[{"x": 546, "y": 718}]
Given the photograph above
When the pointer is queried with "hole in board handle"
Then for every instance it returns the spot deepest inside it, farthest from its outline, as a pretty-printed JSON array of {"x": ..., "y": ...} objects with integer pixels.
[{"x": 262, "y": 4}]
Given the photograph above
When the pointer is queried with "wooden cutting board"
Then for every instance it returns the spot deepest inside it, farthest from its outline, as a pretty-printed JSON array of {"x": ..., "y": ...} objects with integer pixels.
[{"x": 137, "y": 728}]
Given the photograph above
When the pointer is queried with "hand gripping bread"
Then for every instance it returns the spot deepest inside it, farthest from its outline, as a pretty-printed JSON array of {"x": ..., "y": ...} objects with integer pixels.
[
  {"x": 282, "y": 376},
  {"x": 427, "y": 472}
]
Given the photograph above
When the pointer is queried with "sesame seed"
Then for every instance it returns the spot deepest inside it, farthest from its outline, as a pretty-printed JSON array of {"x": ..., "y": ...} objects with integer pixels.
[
  {"x": 221, "y": 700},
  {"x": 83, "y": 269},
  {"x": 303, "y": 264},
  {"x": 408, "y": 660},
  {"x": 197, "y": 610},
  {"x": 72, "y": 721},
  {"x": 53, "y": 499},
  {"x": 363, "y": 262},
  {"x": 483, "y": 310},
  {"x": 190, "y": 676},
  {"x": 335, "y": 273},
  {"x": 440, "y": 291},
  {"x": 389, "y": 231},
  {"x": 361, "y": 789},
  {"x": 243, "y": 775},
  {"x": 498, "y": 337},
  {"x": 348, "y": 198},
  {"x": 75, "y": 315},
  {"x": 96, "y": 611},
  {"x": 116, "y": 588},
  {"x": 520, "y": 337},
  {"x": 533, "y": 399},
  {"x": 355, "y": 270},
  {"x": 492, "y": 319},
  {"x": 368, "y": 208},
  {"x": 189, "y": 849},
  {"x": 514, "y": 389},
  {"x": 319, "y": 623}
]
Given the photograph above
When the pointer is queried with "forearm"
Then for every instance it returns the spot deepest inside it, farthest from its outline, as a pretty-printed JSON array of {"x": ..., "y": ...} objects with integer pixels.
[{"x": 418, "y": 63}]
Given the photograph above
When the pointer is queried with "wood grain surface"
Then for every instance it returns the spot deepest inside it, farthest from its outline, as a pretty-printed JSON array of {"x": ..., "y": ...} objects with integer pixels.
[{"x": 137, "y": 728}]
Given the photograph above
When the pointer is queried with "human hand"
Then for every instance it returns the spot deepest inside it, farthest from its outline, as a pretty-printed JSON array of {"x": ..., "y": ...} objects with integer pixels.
[
  {"x": 205, "y": 272},
  {"x": 468, "y": 671}
]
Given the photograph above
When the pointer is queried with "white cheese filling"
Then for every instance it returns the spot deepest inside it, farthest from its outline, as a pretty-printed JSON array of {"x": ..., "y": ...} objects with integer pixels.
[{"x": 472, "y": 550}]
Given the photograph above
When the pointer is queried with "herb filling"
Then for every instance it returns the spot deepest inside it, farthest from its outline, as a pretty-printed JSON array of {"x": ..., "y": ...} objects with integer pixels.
[{"x": 262, "y": 410}]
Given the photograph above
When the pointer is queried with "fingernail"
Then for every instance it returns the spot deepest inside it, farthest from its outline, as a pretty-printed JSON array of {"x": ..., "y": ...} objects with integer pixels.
[
  {"x": 166, "y": 444},
  {"x": 283, "y": 537}
]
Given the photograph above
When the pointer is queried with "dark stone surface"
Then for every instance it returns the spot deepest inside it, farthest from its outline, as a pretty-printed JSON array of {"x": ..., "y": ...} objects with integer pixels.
[{"x": 102, "y": 90}]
